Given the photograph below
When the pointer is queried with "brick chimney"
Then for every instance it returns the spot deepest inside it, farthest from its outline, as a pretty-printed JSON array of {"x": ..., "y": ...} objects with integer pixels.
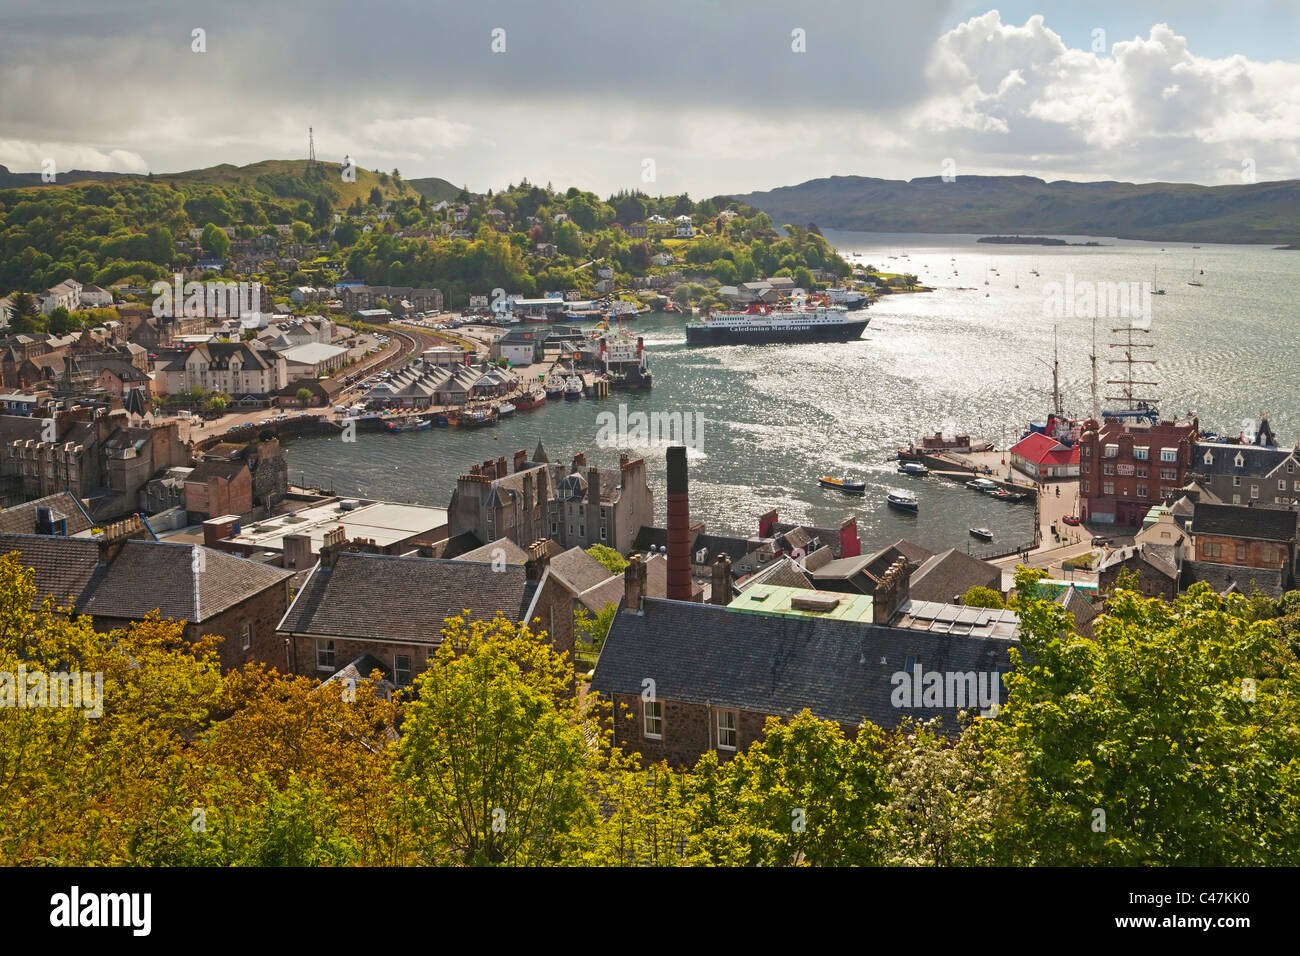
[
  {"x": 891, "y": 592},
  {"x": 116, "y": 535},
  {"x": 538, "y": 560},
  {"x": 297, "y": 552},
  {"x": 336, "y": 540},
  {"x": 634, "y": 584},
  {"x": 679, "y": 527},
  {"x": 593, "y": 503},
  {"x": 850, "y": 544},
  {"x": 721, "y": 592},
  {"x": 579, "y": 460},
  {"x": 521, "y": 459},
  {"x": 767, "y": 524},
  {"x": 501, "y": 467}
]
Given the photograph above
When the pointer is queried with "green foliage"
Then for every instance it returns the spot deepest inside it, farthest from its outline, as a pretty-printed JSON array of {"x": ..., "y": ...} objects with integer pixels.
[
  {"x": 610, "y": 558},
  {"x": 983, "y": 597}
]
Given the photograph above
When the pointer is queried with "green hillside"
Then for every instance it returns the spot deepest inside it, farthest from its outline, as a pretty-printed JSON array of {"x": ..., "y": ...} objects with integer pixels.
[
  {"x": 434, "y": 189},
  {"x": 1258, "y": 213}
]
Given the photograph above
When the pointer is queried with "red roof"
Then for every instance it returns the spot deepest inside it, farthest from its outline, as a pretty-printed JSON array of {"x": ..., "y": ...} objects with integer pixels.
[{"x": 1042, "y": 450}]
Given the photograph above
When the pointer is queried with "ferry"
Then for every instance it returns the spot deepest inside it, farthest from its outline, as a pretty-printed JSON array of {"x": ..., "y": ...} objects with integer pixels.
[
  {"x": 762, "y": 323},
  {"x": 983, "y": 484},
  {"x": 622, "y": 356},
  {"x": 849, "y": 298},
  {"x": 902, "y": 500},
  {"x": 845, "y": 485}
]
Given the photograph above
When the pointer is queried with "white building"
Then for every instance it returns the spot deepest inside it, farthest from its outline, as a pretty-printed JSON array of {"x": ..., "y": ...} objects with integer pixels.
[
  {"x": 67, "y": 294},
  {"x": 236, "y": 368}
]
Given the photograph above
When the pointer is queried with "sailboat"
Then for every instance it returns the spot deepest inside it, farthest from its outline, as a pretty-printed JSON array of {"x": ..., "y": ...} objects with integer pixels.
[
  {"x": 1155, "y": 286},
  {"x": 1194, "y": 280},
  {"x": 1034, "y": 270},
  {"x": 1016, "y": 275}
]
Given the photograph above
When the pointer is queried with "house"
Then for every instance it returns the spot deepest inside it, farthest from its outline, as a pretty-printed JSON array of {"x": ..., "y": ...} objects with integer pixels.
[
  {"x": 61, "y": 513},
  {"x": 312, "y": 360},
  {"x": 662, "y": 259},
  {"x": 236, "y": 368},
  {"x": 122, "y": 575},
  {"x": 218, "y": 488},
  {"x": 1042, "y": 457},
  {"x": 39, "y": 459},
  {"x": 116, "y": 378},
  {"x": 1247, "y": 474},
  {"x": 946, "y": 576},
  {"x": 1126, "y": 467},
  {"x": 93, "y": 297},
  {"x": 684, "y": 230},
  {"x": 65, "y": 295},
  {"x": 1157, "y": 567},
  {"x": 717, "y": 673},
  {"x": 394, "y": 608},
  {"x": 6, "y": 311},
  {"x": 1249, "y": 547}
]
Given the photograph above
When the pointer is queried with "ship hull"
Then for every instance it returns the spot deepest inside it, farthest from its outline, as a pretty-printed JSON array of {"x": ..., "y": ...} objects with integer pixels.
[{"x": 768, "y": 335}]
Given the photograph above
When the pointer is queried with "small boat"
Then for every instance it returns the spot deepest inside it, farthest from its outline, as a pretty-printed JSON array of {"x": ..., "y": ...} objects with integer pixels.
[
  {"x": 407, "y": 424},
  {"x": 531, "y": 399},
  {"x": 1155, "y": 286},
  {"x": 554, "y": 386},
  {"x": 982, "y": 484},
  {"x": 982, "y": 533},
  {"x": 477, "y": 417},
  {"x": 505, "y": 409},
  {"x": 843, "y": 484},
  {"x": 536, "y": 318},
  {"x": 902, "y": 500},
  {"x": 913, "y": 468},
  {"x": 1194, "y": 280},
  {"x": 573, "y": 388}
]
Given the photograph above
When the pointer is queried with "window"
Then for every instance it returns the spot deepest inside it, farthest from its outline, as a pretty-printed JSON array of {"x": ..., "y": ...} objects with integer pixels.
[
  {"x": 1239, "y": 461},
  {"x": 1142, "y": 452},
  {"x": 1142, "y": 491},
  {"x": 1168, "y": 454},
  {"x": 1110, "y": 451},
  {"x": 1087, "y": 451},
  {"x": 1108, "y": 469},
  {"x": 910, "y": 664},
  {"x": 1254, "y": 491},
  {"x": 325, "y": 655},
  {"x": 1236, "y": 499},
  {"x": 1108, "y": 487},
  {"x": 602, "y": 533},
  {"x": 1168, "y": 474},
  {"x": 1209, "y": 459},
  {"x": 1086, "y": 486},
  {"x": 1281, "y": 484},
  {"x": 246, "y": 639},
  {"x": 1290, "y": 467},
  {"x": 401, "y": 669},
  {"x": 654, "y": 719},
  {"x": 582, "y": 531},
  {"x": 726, "y": 730},
  {"x": 1241, "y": 552},
  {"x": 1236, "y": 481},
  {"x": 604, "y": 513},
  {"x": 1210, "y": 549},
  {"x": 1141, "y": 471}
]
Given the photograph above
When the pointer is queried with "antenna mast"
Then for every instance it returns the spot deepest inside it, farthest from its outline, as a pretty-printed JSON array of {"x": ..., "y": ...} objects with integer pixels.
[{"x": 311, "y": 151}]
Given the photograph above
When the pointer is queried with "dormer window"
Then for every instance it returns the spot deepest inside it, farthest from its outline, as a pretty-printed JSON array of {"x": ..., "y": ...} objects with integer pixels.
[
  {"x": 1239, "y": 461},
  {"x": 1209, "y": 458}
]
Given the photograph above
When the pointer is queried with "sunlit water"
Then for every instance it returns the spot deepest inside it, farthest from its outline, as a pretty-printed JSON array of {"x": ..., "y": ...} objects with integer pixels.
[{"x": 777, "y": 417}]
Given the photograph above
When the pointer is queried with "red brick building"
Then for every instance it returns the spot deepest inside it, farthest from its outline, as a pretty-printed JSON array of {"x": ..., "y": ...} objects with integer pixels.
[{"x": 1126, "y": 467}]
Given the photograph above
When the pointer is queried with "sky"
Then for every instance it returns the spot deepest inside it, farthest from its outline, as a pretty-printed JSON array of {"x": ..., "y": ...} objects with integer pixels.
[{"x": 703, "y": 96}]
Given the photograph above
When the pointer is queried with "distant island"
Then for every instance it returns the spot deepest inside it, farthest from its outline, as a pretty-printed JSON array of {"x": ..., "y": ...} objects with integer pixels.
[
  {"x": 1033, "y": 241},
  {"x": 1001, "y": 205}
]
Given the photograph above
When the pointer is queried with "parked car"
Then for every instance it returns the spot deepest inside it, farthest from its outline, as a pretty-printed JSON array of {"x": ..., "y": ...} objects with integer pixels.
[{"x": 1072, "y": 520}]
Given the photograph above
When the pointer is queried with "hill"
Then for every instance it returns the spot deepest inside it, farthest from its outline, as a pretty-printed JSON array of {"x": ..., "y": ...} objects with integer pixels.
[
  {"x": 1257, "y": 213},
  {"x": 434, "y": 189},
  {"x": 9, "y": 180}
]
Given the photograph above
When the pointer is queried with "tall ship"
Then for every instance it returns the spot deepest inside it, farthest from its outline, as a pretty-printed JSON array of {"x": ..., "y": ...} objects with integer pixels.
[{"x": 763, "y": 323}]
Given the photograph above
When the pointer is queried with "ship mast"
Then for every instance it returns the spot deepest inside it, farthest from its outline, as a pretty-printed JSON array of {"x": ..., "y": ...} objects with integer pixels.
[
  {"x": 1128, "y": 361},
  {"x": 1056, "y": 376},
  {"x": 1096, "y": 411}
]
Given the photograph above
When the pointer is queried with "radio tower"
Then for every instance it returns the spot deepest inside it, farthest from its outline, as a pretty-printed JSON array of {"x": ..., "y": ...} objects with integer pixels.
[
  {"x": 1128, "y": 382},
  {"x": 311, "y": 152}
]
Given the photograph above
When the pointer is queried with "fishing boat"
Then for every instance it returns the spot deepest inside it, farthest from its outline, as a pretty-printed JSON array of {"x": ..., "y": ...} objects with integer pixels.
[
  {"x": 505, "y": 409},
  {"x": 845, "y": 485},
  {"x": 411, "y": 424},
  {"x": 984, "y": 534},
  {"x": 913, "y": 468},
  {"x": 902, "y": 500},
  {"x": 447, "y": 419},
  {"x": 982, "y": 484},
  {"x": 531, "y": 399},
  {"x": 554, "y": 387},
  {"x": 477, "y": 417},
  {"x": 572, "y": 388},
  {"x": 536, "y": 318}
]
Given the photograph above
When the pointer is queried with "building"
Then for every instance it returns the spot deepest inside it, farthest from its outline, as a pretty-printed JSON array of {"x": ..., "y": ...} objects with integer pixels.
[
  {"x": 218, "y": 488},
  {"x": 1126, "y": 467},
  {"x": 1247, "y": 474},
  {"x": 122, "y": 575},
  {"x": 65, "y": 295},
  {"x": 236, "y": 368},
  {"x": 1243, "y": 546},
  {"x": 1157, "y": 568},
  {"x": 718, "y": 673},
  {"x": 394, "y": 608},
  {"x": 1043, "y": 458},
  {"x": 519, "y": 346},
  {"x": 312, "y": 360}
]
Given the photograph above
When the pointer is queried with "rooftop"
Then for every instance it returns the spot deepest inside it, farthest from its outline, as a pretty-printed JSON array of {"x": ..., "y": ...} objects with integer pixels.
[{"x": 383, "y": 522}]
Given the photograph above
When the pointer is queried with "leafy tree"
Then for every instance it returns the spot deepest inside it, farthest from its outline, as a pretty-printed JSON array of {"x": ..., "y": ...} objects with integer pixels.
[
  {"x": 301, "y": 231},
  {"x": 592, "y": 631},
  {"x": 303, "y": 395},
  {"x": 61, "y": 321},
  {"x": 982, "y": 597},
  {"x": 610, "y": 558},
  {"x": 493, "y": 761},
  {"x": 214, "y": 241}
]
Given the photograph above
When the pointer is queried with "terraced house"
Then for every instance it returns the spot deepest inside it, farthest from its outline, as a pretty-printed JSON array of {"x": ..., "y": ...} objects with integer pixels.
[{"x": 236, "y": 368}]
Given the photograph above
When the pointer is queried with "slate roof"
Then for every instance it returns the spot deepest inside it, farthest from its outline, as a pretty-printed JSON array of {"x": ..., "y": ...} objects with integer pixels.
[
  {"x": 1235, "y": 521},
  {"x": 1256, "y": 460},
  {"x": 579, "y": 569},
  {"x": 21, "y": 519},
  {"x": 950, "y": 574},
  {"x": 783, "y": 572},
  {"x": 1072, "y": 600},
  {"x": 510, "y": 552},
  {"x": 701, "y": 653},
  {"x": 143, "y": 577},
  {"x": 388, "y": 598}
]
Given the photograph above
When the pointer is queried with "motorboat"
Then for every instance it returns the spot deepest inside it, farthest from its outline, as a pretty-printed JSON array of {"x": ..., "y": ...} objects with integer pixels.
[
  {"x": 573, "y": 388},
  {"x": 984, "y": 534},
  {"x": 913, "y": 468},
  {"x": 983, "y": 484},
  {"x": 845, "y": 485},
  {"x": 902, "y": 500}
]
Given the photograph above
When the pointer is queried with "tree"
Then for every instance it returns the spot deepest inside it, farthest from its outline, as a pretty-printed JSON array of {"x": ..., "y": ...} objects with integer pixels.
[
  {"x": 592, "y": 631},
  {"x": 376, "y": 196},
  {"x": 493, "y": 760},
  {"x": 61, "y": 321},
  {"x": 303, "y": 395},
  {"x": 214, "y": 241},
  {"x": 982, "y": 597},
  {"x": 610, "y": 558},
  {"x": 301, "y": 231},
  {"x": 26, "y": 316}
]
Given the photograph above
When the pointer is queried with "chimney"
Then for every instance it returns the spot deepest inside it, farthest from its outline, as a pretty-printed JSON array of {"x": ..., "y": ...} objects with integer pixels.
[
  {"x": 297, "y": 551},
  {"x": 850, "y": 545},
  {"x": 623, "y": 459},
  {"x": 501, "y": 467},
  {"x": 521, "y": 459},
  {"x": 538, "y": 560},
  {"x": 891, "y": 592},
  {"x": 336, "y": 540},
  {"x": 767, "y": 524},
  {"x": 593, "y": 503},
  {"x": 634, "y": 584},
  {"x": 679, "y": 530},
  {"x": 721, "y": 592},
  {"x": 579, "y": 460},
  {"x": 116, "y": 535}
]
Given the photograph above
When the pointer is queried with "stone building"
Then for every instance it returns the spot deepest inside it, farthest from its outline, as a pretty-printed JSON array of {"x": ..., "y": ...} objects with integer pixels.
[{"x": 1126, "y": 467}]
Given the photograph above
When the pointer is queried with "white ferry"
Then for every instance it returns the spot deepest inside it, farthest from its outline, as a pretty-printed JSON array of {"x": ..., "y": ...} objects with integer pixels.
[{"x": 762, "y": 323}]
